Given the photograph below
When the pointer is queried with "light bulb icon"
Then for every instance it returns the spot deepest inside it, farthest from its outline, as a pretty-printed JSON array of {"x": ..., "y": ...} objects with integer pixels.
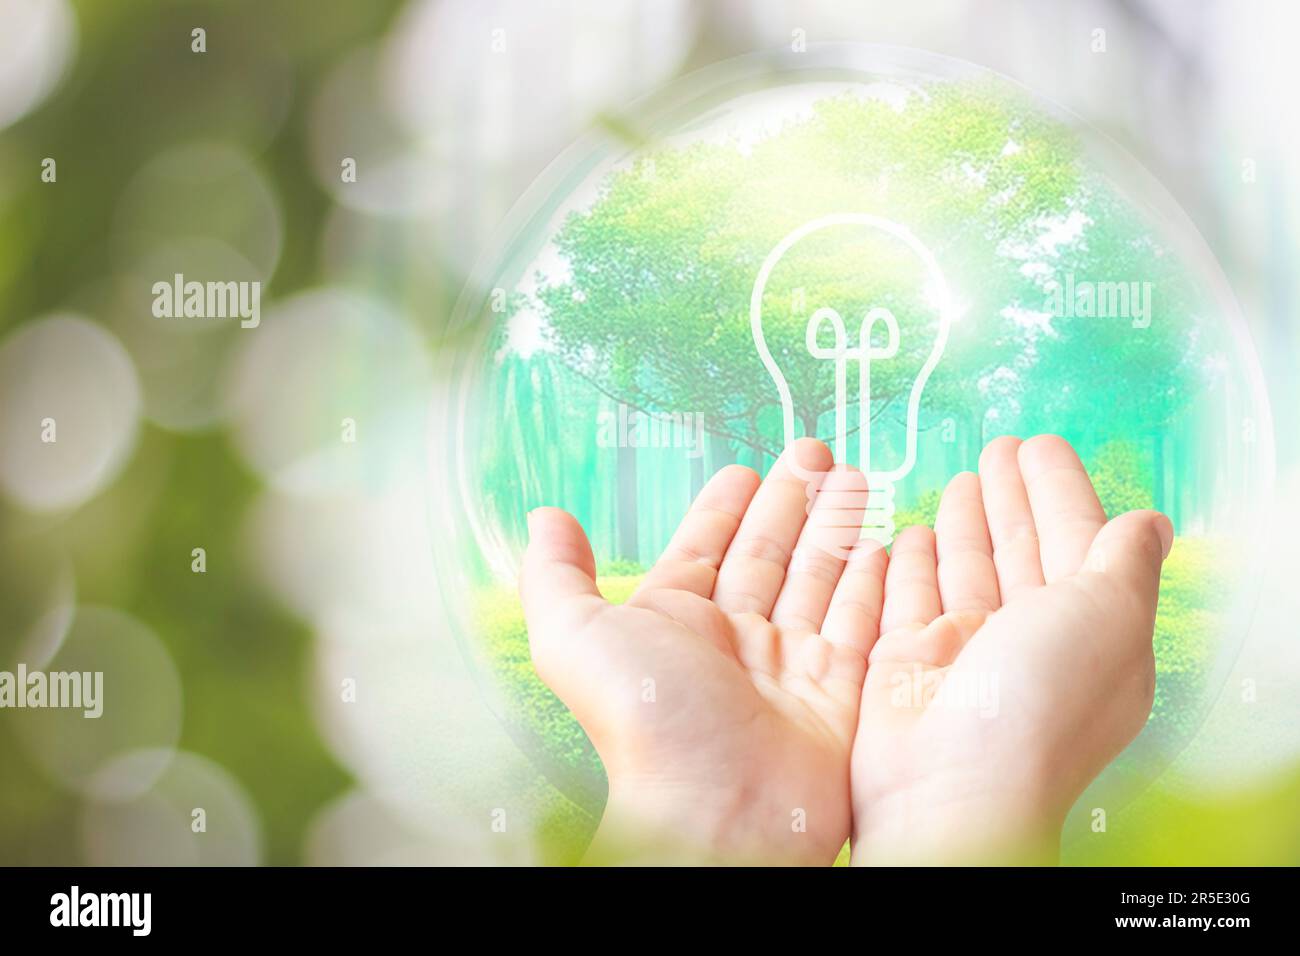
[{"x": 878, "y": 522}]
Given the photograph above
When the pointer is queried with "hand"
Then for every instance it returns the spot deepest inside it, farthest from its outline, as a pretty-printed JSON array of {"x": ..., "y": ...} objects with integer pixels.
[
  {"x": 1014, "y": 662},
  {"x": 723, "y": 696}
]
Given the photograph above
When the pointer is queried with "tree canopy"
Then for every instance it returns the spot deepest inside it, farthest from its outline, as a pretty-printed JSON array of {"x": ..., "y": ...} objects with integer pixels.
[{"x": 653, "y": 308}]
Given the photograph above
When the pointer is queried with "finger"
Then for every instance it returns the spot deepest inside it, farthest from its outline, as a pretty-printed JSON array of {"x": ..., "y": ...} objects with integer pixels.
[
  {"x": 693, "y": 556},
  {"x": 968, "y": 581},
  {"x": 558, "y": 579},
  {"x": 936, "y": 644},
  {"x": 833, "y": 527},
  {"x": 911, "y": 582},
  {"x": 1130, "y": 550},
  {"x": 753, "y": 568},
  {"x": 853, "y": 618},
  {"x": 1066, "y": 511},
  {"x": 1010, "y": 520}
]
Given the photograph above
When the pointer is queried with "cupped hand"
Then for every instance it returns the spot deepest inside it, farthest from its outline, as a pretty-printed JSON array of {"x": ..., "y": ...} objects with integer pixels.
[
  {"x": 723, "y": 696},
  {"x": 1015, "y": 661}
]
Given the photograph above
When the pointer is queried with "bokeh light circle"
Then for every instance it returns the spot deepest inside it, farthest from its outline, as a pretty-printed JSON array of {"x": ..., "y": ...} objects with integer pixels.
[
  {"x": 359, "y": 830},
  {"x": 69, "y": 411},
  {"x": 38, "y": 590},
  {"x": 405, "y": 723},
  {"x": 38, "y": 41},
  {"x": 619, "y": 290},
  {"x": 212, "y": 190},
  {"x": 461, "y": 80},
  {"x": 181, "y": 362},
  {"x": 193, "y": 814},
  {"x": 349, "y": 123},
  {"x": 331, "y": 559},
  {"x": 137, "y": 696},
  {"x": 329, "y": 394}
]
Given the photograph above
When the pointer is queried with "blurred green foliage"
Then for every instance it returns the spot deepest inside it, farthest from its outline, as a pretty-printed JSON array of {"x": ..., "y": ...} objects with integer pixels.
[
  {"x": 133, "y": 91},
  {"x": 1256, "y": 825}
]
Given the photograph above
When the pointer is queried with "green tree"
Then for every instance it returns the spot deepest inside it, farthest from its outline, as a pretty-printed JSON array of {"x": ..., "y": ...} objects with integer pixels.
[
  {"x": 654, "y": 307},
  {"x": 1128, "y": 368}
]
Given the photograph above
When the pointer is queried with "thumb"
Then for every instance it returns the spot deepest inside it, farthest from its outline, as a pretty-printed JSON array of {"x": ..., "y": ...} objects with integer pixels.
[
  {"x": 558, "y": 580},
  {"x": 1132, "y": 549}
]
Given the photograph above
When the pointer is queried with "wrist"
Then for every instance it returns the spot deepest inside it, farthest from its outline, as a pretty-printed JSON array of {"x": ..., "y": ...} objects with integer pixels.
[
  {"x": 652, "y": 823},
  {"x": 919, "y": 829}
]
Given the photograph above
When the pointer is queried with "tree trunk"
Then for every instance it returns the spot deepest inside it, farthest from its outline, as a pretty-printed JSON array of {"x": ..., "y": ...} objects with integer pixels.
[
  {"x": 809, "y": 424},
  {"x": 721, "y": 453},
  {"x": 974, "y": 438},
  {"x": 1158, "y": 472},
  {"x": 628, "y": 546}
]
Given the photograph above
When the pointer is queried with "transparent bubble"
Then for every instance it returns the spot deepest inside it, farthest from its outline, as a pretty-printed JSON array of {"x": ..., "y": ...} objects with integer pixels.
[
  {"x": 1256, "y": 741},
  {"x": 604, "y": 358}
]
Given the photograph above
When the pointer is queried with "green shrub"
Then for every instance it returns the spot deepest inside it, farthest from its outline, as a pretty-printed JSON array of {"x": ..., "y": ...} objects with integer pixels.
[
  {"x": 1121, "y": 477},
  {"x": 534, "y": 714},
  {"x": 922, "y": 511}
]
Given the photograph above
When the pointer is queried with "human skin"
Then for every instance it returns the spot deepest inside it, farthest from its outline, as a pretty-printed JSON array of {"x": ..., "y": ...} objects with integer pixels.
[
  {"x": 1025, "y": 589},
  {"x": 725, "y": 696}
]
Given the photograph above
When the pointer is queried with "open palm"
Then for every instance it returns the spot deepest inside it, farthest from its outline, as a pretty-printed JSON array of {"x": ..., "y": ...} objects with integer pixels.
[
  {"x": 723, "y": 697},
  {"x": 1014, "y": 662}
]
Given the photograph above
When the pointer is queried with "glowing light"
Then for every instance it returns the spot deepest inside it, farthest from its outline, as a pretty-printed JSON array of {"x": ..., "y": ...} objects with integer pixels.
[{"x": 69, "y": 411}]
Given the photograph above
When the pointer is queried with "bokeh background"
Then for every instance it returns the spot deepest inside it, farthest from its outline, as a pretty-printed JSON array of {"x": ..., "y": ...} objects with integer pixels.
[{"x": 310, "y": 688}]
